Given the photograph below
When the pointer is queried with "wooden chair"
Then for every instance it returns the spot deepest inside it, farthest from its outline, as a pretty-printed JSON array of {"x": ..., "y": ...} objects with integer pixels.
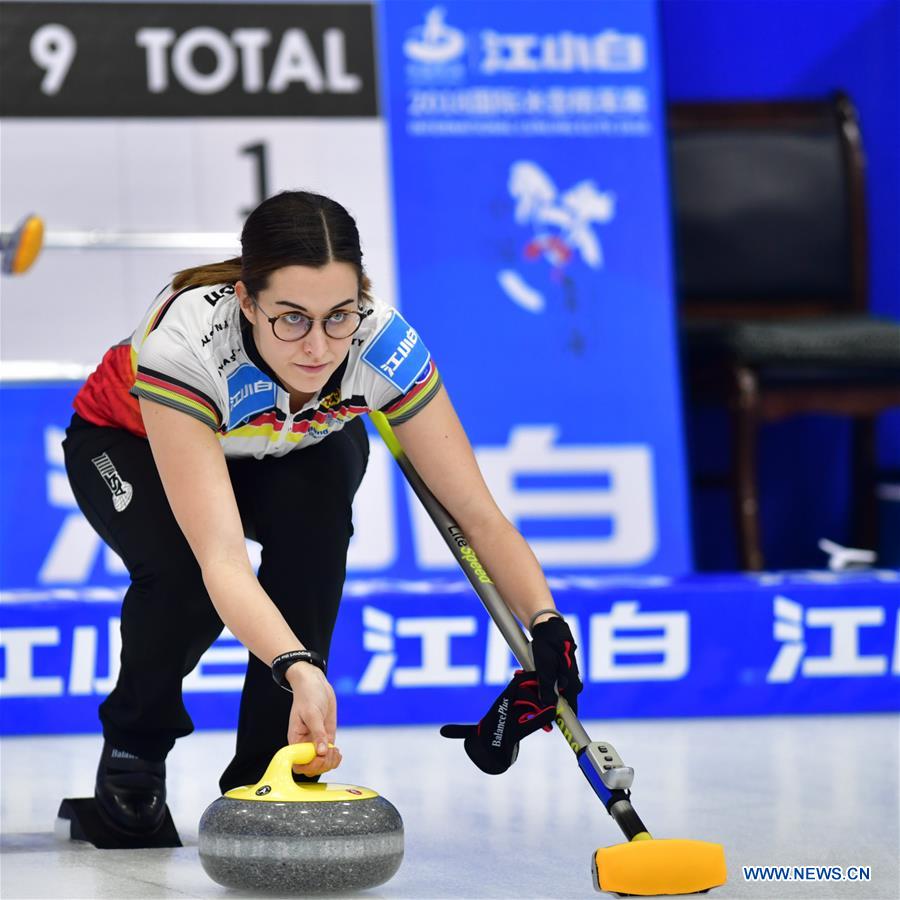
[{"x": 772, "y": 274}]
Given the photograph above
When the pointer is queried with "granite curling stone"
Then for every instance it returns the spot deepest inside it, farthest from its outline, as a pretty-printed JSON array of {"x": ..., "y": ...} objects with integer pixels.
[{"x": 292, "y": 838}]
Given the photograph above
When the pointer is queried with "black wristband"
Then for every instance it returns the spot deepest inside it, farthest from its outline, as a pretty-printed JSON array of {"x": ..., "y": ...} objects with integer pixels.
[{"x": 282, "y": 663}]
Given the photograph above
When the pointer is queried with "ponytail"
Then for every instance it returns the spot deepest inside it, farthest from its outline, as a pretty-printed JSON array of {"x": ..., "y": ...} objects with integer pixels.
[
  {"x": 226, "y": 272},
  {"x": 365, "y": 289}
]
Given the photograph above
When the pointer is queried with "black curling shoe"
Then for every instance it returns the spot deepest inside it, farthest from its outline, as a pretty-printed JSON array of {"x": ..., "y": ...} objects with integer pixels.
[{"x": 130, "y": 792}]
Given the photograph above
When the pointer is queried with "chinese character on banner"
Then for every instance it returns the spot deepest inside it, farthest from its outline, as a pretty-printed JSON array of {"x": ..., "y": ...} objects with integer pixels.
[
  {"x": 434, "y": 635},
  {"x": 623, "y": 498},
  {"x": 629, "y": 645},
  {"x": 844, "y": 657}
]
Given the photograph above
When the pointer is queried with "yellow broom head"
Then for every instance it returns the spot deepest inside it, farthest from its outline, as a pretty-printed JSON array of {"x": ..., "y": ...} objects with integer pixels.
[{"x": 651, "y": 867}]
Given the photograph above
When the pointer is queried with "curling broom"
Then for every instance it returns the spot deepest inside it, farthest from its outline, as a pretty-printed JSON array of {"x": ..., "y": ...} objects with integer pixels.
[{"x": 645, "y": 865}]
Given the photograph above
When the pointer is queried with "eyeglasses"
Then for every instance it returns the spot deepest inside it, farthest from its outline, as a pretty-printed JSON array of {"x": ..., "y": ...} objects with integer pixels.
[{"x": 292, "y": 326}]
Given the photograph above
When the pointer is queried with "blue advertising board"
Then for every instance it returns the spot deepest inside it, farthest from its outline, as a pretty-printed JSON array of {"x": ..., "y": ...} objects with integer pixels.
[
  {"x": 533, "y": 258},
  {"x": 407, "y": 653},
  {"x": 419, "y": 649},
  {"x": 530, "y": 203},
  {"x": 46, "y": 544}
]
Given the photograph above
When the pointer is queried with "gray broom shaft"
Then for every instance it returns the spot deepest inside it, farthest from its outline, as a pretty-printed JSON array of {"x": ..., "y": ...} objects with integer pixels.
[
  {"x": 622, "y": 812},
  {"x": 487, "y": 593}
]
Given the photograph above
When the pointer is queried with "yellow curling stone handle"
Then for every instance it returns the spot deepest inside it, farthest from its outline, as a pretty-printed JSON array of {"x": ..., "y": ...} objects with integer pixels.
[{"x": 277, "y": 783}]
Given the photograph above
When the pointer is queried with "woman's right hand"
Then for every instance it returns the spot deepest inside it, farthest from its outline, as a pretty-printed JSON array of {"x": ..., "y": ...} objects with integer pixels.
[{"x": 313, "y": 717}]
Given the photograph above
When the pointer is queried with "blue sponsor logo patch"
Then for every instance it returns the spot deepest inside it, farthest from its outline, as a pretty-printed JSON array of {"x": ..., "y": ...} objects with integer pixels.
[
  {"x": 397, "y": 353},
  {"x": 249, "y": 392}
]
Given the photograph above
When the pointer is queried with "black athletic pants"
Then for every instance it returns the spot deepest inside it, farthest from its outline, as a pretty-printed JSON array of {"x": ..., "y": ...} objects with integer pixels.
[{"x": 297, "y": 506}]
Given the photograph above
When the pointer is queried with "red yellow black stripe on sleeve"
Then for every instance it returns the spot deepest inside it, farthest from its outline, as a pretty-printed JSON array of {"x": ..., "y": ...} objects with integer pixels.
[
  {"x": 163, "y": 309},
  {"x": 423, "y": 390},
  {"x": 170, "y": 392}
]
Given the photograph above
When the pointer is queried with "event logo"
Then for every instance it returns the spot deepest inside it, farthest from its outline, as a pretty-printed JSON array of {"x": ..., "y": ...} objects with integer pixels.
[
  {"x": 435, "y": 42},
  {"x": 562, "y": 230},
  {"x": 435, "y": 50},
  {"x": 845, "y": 657}
]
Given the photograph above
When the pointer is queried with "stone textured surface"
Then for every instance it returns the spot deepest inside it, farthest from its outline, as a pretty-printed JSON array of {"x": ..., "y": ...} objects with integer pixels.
[{"x": 301, "y": 848}]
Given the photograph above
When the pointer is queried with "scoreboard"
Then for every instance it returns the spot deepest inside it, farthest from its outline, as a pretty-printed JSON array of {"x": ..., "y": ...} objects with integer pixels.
[{"x": 174, "y": 118}]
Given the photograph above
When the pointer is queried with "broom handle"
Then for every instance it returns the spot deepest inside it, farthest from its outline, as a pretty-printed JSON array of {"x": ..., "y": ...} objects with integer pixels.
[{"x": 620, "y": 808}]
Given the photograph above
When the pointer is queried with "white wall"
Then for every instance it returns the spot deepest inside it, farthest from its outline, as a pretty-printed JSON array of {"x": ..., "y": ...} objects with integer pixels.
[{"x": 161, "y": 175}]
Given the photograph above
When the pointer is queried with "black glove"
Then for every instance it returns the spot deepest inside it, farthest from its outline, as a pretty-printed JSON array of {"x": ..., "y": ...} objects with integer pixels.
[
  {"x": 493, "y": 743},
  {"x": 553, "y": 648}
]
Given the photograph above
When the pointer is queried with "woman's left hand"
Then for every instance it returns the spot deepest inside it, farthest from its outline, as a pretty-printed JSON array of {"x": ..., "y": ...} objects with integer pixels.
[{"x": 553, "y": 649}]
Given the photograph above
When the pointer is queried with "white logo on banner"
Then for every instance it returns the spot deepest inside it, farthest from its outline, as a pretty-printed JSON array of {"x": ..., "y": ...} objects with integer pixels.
[
  {"x": 435, "y": 633},
  {"x": 845, "y": 657},
  {"x": 19, "y": 680},
  {"x": 627, "y": 500},
  {"x": 562, "y": 53},
  {"x": 617, "y": 635},
  {"x": 614, "y": 636},
  {"x": 435, "y": 42},
  {"x": 89, "y": 675},
  {"x": 561, "y": 224}
]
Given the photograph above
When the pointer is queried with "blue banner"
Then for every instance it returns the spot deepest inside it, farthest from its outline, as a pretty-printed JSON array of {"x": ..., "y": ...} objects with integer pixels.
[
  {"x": 527, "y": 152},
  {"x": 46, "y": 545},
  {"x": 413, "y": 652}
]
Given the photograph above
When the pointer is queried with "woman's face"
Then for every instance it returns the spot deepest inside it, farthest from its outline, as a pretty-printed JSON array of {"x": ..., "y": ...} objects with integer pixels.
[{"x": 305, "y": 365}]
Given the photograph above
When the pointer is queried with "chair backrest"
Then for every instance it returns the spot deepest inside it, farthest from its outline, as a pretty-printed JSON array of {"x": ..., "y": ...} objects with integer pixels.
[{"x": 769, "y": 208}]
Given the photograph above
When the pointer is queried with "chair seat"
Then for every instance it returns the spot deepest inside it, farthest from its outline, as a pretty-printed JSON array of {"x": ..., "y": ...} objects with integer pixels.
[{"x": 835, "y": 342}]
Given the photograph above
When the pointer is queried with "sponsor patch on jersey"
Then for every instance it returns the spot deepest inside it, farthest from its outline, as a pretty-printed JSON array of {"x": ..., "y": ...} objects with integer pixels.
[
  {"x": 250, "y": 392},
  {"x": 397, "y": 353}
]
